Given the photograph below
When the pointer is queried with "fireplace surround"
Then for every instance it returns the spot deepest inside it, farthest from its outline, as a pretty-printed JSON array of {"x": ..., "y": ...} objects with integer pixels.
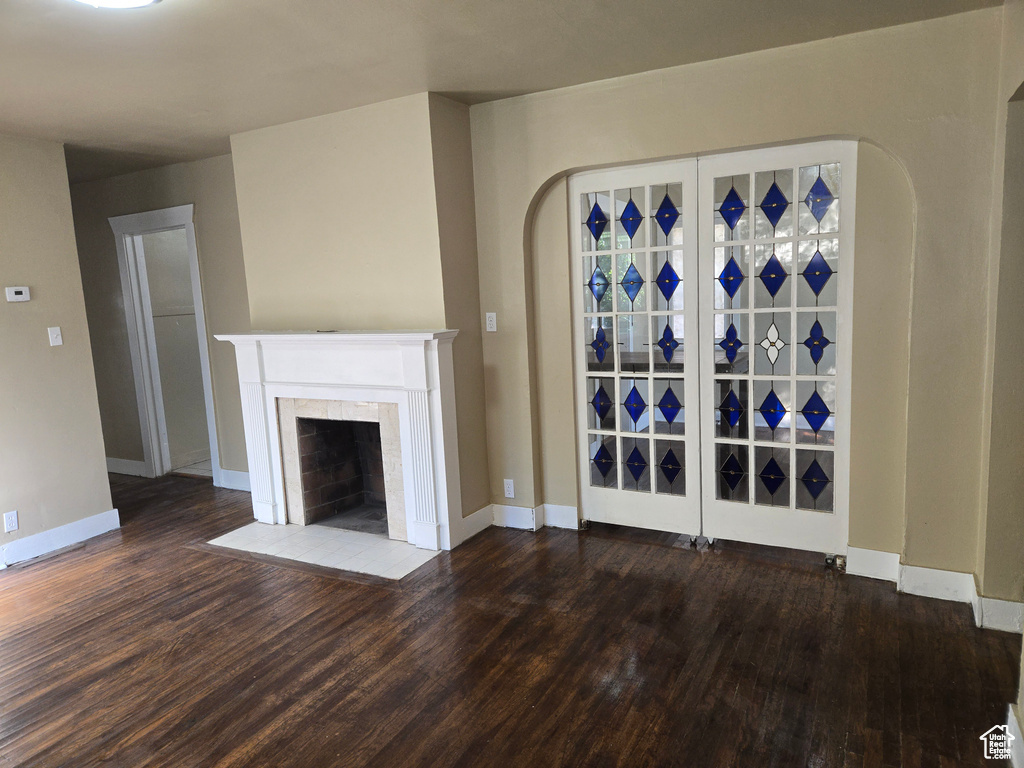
[{"x": 359, "y": 372}]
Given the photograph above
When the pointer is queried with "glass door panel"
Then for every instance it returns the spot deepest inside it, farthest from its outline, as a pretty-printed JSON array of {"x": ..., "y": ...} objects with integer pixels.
[{"x": 635, "y": 308}]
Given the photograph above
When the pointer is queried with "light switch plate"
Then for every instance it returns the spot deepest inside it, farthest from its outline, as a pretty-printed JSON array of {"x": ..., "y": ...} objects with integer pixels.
[
  {"x": 55, "y": 338},
  {"x": 18, "y": 293}
]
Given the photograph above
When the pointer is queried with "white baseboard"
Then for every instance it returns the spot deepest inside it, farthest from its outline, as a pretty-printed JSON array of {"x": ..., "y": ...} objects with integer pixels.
[
  {"x": 1017, "y": 744},
  {"x": 44, "y": 542},
  {"x": 470, "y": 527},
  {"x": 1004, "y": 615},
  {"x": 559, "y": 516},
  {"x": 873, "y": 564},
  {"x": 526, "y": 518},
  {"x": 942, "y": 585},
  {"x": 128, "y": 467},
  {"x": 233, "y": 480}
]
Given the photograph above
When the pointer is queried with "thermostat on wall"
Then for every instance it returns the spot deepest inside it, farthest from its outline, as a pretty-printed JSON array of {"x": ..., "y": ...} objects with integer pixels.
[{"x": 18, "y": 293}]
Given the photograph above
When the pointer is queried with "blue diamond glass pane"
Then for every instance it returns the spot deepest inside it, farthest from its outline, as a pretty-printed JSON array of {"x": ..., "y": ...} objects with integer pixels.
[
  {"x": 732, "y": 471},
  {"x": 636, "y": 463},
  {"x": 732, "y": 277},
  {"x": 731, "y": 343},
  {"x": 603, "y": 461},
  {"x": 815, "y": 411},
  {"x": 601, "y": 402},
  {"x": 600, "y": 344},
  {"x": 635, "y": 405},
  {"x": 772, "y": 410},
  {"x": 815, "y": 479},
  {"x": 772, "y": 476},
  {"x": 668, "y": 343},
  {"x": 666, "y": 215},
  {"x": 773, "y": 275},
  {"x": 732, "y": 208},
  {"x": 669, "y": 405},
  {"x": 670, "y": 466},
  {"x": 774, "y": 204},
  {"x": 631, "y": 218},
  {"x": 667, "y": 281},
  {"x": 817, "y": 272},
  {"x": 731, "y": 408},
  {"x": 816, "y": 342},
  {"x": 632, "y": 282},
  {"x": 597, "y": 221},
  {"x": 598, "y": 284},
  {"x": 819, "y": 198}
]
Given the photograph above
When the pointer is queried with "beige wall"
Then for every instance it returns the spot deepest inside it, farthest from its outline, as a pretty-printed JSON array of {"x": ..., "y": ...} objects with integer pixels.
[
  {"x": 364, "y": 220},
  {"x": 460, "y": 279},
  {"x": 935, "y": 119},
  {"x": 51, "y": 455},
  {"x": 1002, "y": 564},
  {"x": 339, "y": 222},
  {"x": 1000, "y": 571},
  {"x": 209, "y": 185}
]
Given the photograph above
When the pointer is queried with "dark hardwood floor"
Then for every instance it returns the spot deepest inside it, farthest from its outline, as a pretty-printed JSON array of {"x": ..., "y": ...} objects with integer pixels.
[{"x": 606, "y": 648}]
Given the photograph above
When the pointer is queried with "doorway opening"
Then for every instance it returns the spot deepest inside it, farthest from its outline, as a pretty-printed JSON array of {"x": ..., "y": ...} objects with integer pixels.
[
  {"x": 163, "y": 301},
  {"x": 712, "y": 302}
]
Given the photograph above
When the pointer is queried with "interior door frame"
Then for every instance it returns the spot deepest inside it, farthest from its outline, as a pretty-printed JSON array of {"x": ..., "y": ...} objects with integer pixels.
[{"x": 128, "y": 231}]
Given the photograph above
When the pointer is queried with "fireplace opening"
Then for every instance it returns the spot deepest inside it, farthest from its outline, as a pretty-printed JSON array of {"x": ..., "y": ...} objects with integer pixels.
[{"x": 342, "y": 473}]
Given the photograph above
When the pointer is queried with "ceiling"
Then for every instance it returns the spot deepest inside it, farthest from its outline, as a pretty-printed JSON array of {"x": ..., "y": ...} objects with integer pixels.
[{"x": 134, "y": 89}]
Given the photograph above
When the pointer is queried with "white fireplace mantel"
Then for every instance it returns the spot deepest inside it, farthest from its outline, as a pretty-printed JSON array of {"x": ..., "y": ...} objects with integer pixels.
[{"x": 410, "y": 368}]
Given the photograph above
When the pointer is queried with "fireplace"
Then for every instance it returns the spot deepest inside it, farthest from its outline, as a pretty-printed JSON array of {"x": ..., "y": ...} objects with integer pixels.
[
  {"x": 333, "y": 455},
  {"x": 402, "y": 381}
]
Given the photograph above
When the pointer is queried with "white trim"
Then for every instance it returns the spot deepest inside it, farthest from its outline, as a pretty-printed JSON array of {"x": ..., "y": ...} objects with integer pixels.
[
  {"x": 559, "y": 516},
  {"x": 128, "y": 467},
  {"x": 1004, "y": 615},
  {"x": 62, "y": 536},
  {"x": 142, "y": 344},
  {"x": 873, "y": 564},
  {"x": 990, "y": 613},
  {"x": 233, "y": 479},
  {"x": 525, "y": 518},
  {"x": 931, "y": 582},
  {"x": 472, "y": 524},
  {"x": 1014, "y": 729}
]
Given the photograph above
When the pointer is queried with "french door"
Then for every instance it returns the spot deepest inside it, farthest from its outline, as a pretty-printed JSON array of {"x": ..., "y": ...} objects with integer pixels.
[{"x": 711, "y": 303}]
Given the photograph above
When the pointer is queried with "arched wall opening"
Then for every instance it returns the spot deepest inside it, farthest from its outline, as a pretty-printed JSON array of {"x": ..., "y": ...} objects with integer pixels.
[{"x": 880, "y": 377}]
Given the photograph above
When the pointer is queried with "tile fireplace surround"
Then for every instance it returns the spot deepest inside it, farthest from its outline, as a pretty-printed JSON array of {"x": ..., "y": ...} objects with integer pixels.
[{"x": 357, "y": 372}]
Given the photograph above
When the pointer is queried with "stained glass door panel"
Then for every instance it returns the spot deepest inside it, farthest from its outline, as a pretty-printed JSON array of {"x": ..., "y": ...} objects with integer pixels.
[
  {"x": 635, "y": 285},
  {"x": 775, "y": 274}
]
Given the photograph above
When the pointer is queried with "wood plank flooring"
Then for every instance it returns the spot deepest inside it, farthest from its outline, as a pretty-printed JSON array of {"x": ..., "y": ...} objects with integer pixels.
[{"x": 605, "y": 648}]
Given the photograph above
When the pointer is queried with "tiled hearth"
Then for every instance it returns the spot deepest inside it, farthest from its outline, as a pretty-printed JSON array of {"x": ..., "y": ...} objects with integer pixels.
[{"x": 330, "y": 547}]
